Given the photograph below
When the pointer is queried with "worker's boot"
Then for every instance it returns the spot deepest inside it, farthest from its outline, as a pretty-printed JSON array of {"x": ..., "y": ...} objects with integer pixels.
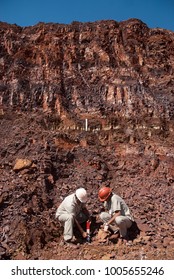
[
  {"x": 70, "y": 242},
  {"x": 124, "y": 241}
]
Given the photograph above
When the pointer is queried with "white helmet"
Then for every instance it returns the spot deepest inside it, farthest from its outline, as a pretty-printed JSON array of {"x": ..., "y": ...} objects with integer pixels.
[{"x": 81, "y": 195}]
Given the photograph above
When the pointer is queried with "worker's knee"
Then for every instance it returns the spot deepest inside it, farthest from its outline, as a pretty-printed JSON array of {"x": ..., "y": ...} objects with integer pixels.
[
  {"x": 119, "y": 220},
  {"x": 66, "y": 217},
  {"x": 70, "y": 217},
  {"x": 103, "y": 216}
]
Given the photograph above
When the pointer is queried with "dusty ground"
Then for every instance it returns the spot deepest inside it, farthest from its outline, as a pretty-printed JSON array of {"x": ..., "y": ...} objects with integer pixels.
[{"x": 40, "y": 166}]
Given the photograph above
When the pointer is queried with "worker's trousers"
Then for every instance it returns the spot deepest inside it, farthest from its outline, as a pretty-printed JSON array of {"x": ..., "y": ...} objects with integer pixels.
[
  {"x": 122, "y": 222},
  {"x": 68, "y": 221}
]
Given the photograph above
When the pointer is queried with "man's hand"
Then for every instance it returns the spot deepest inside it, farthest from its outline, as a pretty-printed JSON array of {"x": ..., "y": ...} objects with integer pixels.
[
  {"x": 106, "y": 226},
  {"x": 84, "y": 234}
]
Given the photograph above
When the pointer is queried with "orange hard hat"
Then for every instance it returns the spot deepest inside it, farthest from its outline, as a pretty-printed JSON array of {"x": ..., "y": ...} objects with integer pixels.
[{"x": 104, "y": 193}]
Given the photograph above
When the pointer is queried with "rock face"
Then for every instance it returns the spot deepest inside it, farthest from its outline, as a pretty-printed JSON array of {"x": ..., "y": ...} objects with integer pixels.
[
  {"x": 85, "y": 104},
  {"x": 95, "y": 70}
]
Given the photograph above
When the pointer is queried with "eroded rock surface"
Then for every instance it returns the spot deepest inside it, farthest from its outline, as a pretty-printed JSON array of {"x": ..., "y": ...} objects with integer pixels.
[{"x": 85, "y": 104}]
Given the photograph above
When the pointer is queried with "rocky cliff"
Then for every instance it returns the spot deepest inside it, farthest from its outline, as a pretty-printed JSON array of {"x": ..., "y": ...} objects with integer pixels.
[
  {"x": 85, "y": 104},
  {"x": 105, "y": 70}
]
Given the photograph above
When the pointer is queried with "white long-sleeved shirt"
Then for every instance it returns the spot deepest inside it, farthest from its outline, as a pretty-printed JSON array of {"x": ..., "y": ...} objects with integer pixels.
[{"x": 70, "y": 205}]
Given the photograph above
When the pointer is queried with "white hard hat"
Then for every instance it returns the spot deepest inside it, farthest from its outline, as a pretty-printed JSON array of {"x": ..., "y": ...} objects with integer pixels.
[{"x": 81, "y": 195}]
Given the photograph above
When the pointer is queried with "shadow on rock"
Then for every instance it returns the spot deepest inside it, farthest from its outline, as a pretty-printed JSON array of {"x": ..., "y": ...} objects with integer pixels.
[{"x": 133, "y": 231}]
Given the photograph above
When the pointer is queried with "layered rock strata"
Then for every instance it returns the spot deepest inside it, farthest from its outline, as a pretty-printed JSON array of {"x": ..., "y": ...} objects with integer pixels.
[{"x": 102, "y": 71}]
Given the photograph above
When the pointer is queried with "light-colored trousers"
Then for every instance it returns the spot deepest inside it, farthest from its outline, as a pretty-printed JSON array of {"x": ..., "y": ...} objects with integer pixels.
[
  {"x": 68, "y": 221},
  {"x": 121, "y": 222}
]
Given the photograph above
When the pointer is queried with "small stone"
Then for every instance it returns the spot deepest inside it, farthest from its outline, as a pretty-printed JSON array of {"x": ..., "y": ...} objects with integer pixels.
[{"x": 22, "y": 164}]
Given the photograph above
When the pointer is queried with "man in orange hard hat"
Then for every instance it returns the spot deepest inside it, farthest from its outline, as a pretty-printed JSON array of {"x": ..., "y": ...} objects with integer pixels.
[
  {"x": 118, "y": 213},
  {"x": 72, "y": 210}
]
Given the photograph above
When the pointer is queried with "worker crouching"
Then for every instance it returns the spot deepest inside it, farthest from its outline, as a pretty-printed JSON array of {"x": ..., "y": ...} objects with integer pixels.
[
  {"x": 117, "y": 213},
  {"x": 73, "y": 211}
]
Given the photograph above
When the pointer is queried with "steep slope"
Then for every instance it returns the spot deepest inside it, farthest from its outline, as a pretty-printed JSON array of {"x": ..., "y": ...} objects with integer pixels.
[{"x": 91, "y": 69}]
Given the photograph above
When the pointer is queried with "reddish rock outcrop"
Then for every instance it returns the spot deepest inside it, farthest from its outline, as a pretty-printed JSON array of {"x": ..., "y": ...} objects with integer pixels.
[
  {"x": 89, "y": 70},
  {"x": 85, "y": 104}
]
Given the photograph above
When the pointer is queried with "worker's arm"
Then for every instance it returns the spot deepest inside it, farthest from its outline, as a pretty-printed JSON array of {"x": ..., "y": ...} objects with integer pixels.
[
  {"x": 83, "y": 233},
  {"x": 117, "y": 213}
]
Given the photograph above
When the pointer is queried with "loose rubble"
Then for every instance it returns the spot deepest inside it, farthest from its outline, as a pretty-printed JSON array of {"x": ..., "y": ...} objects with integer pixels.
[{"x": 30, "y": 194}]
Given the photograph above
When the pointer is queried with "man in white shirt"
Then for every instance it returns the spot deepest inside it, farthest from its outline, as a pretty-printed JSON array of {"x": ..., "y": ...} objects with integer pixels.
[{"x": 72, "y": 210}]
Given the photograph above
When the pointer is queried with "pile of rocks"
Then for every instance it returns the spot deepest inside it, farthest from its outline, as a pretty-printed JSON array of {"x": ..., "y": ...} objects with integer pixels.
[{"x": 37, "y": 175}]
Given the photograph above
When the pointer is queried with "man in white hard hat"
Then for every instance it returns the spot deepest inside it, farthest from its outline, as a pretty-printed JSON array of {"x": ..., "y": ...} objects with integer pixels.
[{"x": 72, "y": 210}]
